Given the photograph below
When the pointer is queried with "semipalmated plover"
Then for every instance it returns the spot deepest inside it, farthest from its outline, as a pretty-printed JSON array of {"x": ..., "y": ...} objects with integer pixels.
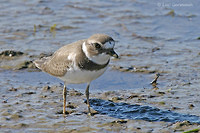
[{"x": 80, "y": 62}]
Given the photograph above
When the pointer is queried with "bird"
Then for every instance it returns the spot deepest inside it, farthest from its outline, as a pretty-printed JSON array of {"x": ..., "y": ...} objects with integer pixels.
[{"x": 79, "y": 62}]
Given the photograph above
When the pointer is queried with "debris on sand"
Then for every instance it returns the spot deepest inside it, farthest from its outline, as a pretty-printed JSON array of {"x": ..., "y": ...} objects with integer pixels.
[
  {"x": 10, "y": 53},
  {"x": 154, "y": 82}
]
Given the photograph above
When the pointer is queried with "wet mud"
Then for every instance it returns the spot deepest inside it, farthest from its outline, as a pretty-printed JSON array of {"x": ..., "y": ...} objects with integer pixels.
[
  {"x": 36, "y": 109},
  {"x": 152, "y": 38}
]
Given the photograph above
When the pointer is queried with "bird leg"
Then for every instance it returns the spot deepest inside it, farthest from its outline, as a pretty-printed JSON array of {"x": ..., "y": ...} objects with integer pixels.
[
  {"x": 64, "y": 98},
  {"x": 87, "y": 96}
]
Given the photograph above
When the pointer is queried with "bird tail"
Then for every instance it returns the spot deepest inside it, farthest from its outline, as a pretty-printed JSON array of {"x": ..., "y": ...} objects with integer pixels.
[{"x": 39, "y": 63}]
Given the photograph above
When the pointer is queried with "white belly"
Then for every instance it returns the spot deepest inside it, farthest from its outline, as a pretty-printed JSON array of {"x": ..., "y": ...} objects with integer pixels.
[{"x": 78, "y": 76}]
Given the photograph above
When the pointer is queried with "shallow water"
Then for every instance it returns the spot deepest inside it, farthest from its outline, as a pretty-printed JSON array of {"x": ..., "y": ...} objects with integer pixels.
[
  {"x": 104, "y": 83},
  {"x": 160, "y": 36}
]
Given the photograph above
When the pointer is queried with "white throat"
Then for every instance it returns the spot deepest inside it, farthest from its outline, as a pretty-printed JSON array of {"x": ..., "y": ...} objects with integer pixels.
[{"x": 99, "y": 59}]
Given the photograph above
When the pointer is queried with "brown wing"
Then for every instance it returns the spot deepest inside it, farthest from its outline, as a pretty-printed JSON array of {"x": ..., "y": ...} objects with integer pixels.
[
  {"x": 54, "y": 65},
  {"x": 58, "y": 64}
]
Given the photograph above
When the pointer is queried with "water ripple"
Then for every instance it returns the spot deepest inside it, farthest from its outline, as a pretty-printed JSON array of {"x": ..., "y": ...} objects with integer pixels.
[{"x": 139, "y": 112}]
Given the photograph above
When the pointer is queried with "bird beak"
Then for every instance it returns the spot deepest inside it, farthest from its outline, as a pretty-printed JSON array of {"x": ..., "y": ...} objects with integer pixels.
[{"x": 112, "y": 53}]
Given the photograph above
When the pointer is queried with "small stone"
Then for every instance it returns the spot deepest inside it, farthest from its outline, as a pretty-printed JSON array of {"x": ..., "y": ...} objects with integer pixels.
[
  {"x": 71, "y": 105},
  {"x": 191, "y": 106},
  {"x": 75, "y": 93},
  {"x": 114, "y": 99},
  {"x": 179, "y": 125},
  {"x": 155, "y": 49},
  {"x": 11, "y": 53},
  {"x": 160, "y": 92},
  {"x": 151, "y": 96},
  {"x": 4, "y": 101},
  {"x": 133, "y": 96},
  {"x": 13, "y": 89},
  {"x": 175, "y": 108},
  {"x": 46, "y": 88},
  {"x": 120, "y": 121},
  {"x": 162, "y": 103},
  {"x": 28, "y": 93},
  {"x": 66, "y": 112}
]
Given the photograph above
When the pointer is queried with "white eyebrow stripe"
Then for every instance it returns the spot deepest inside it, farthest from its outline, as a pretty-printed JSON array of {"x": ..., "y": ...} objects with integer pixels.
[{"x": 109, "y": 44}]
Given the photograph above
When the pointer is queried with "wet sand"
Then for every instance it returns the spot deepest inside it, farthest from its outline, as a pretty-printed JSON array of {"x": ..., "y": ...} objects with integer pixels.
[{"x": 157, "y": 37}]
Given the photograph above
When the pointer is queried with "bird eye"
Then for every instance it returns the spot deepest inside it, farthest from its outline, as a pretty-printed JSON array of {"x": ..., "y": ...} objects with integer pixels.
[{"x": 97, "y": 46}]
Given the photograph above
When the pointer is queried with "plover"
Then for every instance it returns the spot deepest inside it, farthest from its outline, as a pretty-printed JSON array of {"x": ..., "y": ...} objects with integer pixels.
[{"x": 80, "y": 62}]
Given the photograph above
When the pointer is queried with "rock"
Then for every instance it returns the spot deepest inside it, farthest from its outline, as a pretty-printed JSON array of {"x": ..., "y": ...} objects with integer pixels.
[
  {"x": 10, "y": 53},
  {"x": 161, "y": 93},
  {"x": 175, "y": 108},
  {"x": 114, "y": 99},
  {"x": 161, "y": 103},
  {"x": 120, "y": 121},
  {"x": 71, "y": 105},
  {"x": 29, "y": 93},
  {"x": 155, "y": 49},
  {"x": 46, "y": 88},
  {"x": 133, "y": 96},
  {"x": 66, "y": 112},
  {"x": 181, "y": 125},
  {"x": 75, "y": 93},
  {"x": 191, "y": 106},
  {"x": 13, "y": 89}
]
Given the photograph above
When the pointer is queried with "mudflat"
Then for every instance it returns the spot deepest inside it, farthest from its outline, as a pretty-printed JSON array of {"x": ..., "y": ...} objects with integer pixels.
[{"x": 151, "y": 37}]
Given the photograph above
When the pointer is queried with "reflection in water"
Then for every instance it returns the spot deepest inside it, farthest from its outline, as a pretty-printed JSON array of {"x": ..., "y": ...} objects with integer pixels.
[{"x": 139, "y": 112}]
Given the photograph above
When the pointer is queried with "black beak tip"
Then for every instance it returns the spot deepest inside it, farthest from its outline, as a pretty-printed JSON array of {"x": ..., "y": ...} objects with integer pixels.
[{"x": 115, "y": 55}]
